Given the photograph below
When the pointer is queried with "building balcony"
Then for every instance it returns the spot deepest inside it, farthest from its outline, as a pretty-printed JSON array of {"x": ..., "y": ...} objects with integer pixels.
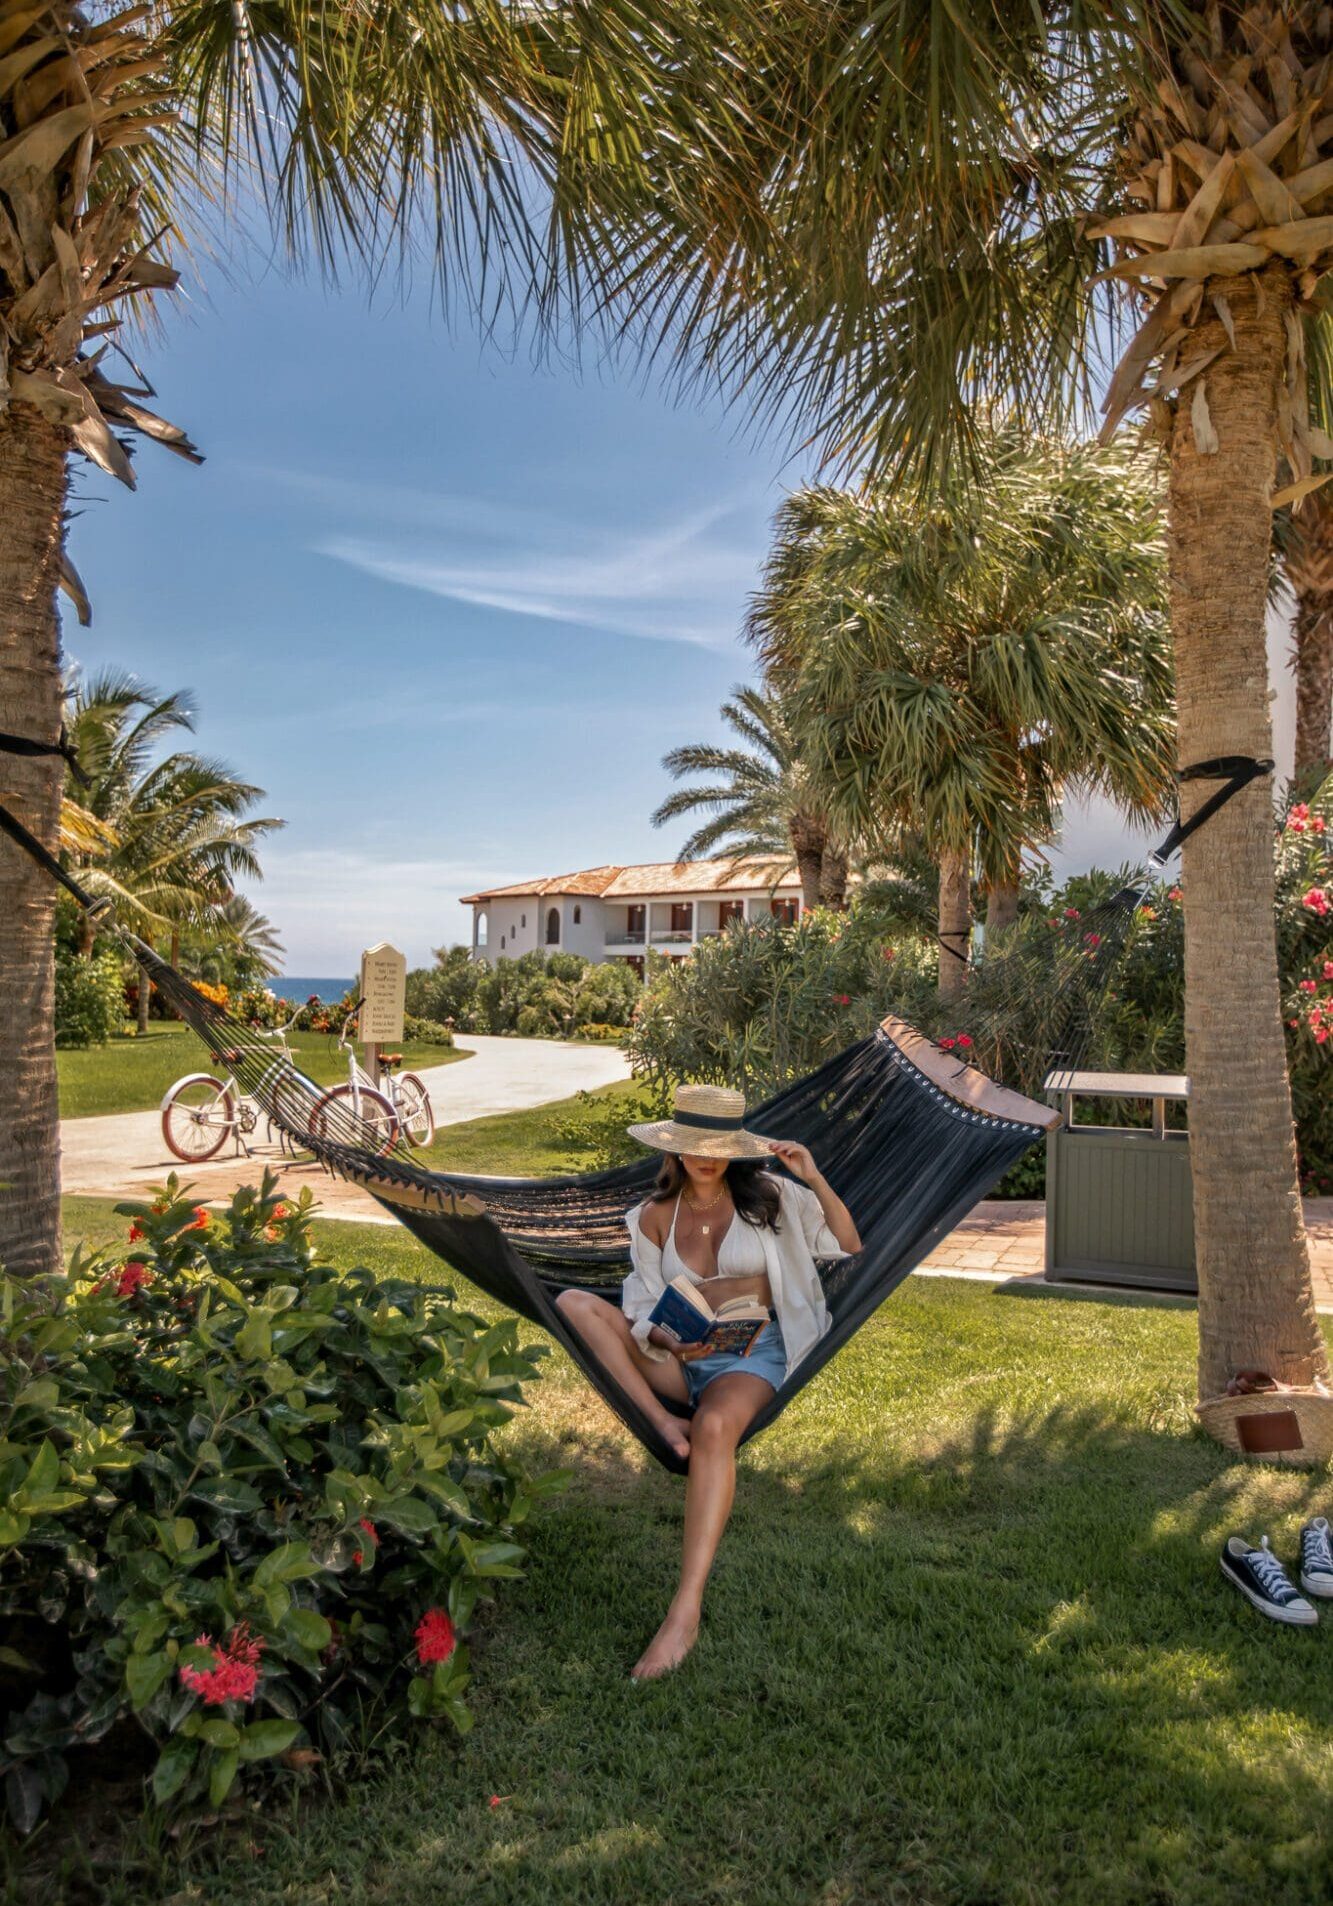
[
  {"x": 665, "y": 936},
  {"x": 624, "y": 939}
]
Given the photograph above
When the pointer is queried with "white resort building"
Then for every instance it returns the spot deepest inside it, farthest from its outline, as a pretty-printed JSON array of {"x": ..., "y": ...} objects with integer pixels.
[{"x": 617, "y": 913}]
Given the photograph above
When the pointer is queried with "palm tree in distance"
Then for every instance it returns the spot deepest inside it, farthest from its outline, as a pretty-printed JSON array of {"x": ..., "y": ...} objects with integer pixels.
[
  {"x": 761, "y": 800},
  {"x": 177, "y": 826},
  {"x": 954, "y": 668}
]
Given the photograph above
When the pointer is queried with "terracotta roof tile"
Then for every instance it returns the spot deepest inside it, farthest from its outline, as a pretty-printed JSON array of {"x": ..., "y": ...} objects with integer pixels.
[{"x": 650, "y": 877}]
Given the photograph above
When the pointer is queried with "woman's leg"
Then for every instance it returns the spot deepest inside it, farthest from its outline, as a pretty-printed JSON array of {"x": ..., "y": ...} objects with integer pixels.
[
  {"x": 605, "y": 1329},
  {"x": 725, "y": 1410}
]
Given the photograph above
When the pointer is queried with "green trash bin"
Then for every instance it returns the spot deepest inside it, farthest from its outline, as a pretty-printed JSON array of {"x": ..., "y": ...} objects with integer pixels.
[{"x": 1119, "y": 1199}]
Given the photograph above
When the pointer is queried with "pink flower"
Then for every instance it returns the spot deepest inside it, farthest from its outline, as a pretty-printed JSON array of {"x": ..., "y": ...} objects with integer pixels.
[
  {"x": 1173, "y": 893},
  {"x": 842, "y": 999},
  {"x": 1328, "y": 969},
  {"x": 1072, "y": 913},
  {"x": 435, "y": 1637},
  {"x": 1321, "y": 1035},
  {"x": 1317, "y": 824},
  {"x": 945, "y": 1045},
  {"x": 1316, "y": 900},
  {"x": 963, "y": 1039},
  {"x": 1092, "y": 939},
  {"x": 234, "y": 1675},
  {"x": 1307, "y": 986}
]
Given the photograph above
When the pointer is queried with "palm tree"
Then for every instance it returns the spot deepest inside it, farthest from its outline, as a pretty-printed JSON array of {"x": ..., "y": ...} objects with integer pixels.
[
  {"x": 177, "y": 826},
  {"x": 956, "y": 668},
  {"x": 239, "y": 947},
  {"x": 878, "y": 219},
  {"x": 360, "y": 127},
  {"x": 761, "y": 799}
]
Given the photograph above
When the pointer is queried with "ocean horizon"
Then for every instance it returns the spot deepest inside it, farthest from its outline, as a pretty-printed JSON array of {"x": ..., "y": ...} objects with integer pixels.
[{"x": 300, "y": 987}]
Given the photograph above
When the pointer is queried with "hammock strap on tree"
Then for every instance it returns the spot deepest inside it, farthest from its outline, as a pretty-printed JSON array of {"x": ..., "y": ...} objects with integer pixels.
[{"x": 1236, "y": 771}]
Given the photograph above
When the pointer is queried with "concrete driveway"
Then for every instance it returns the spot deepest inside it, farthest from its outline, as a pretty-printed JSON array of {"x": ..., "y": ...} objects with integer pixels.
[{"x": 121, "y": 1154}]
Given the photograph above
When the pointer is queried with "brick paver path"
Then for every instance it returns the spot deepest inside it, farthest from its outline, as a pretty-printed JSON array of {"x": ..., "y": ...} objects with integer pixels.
[{"x": 1007, "y": 1238}]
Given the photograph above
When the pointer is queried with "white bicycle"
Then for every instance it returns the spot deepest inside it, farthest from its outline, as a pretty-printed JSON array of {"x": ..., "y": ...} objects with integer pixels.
[
  {"x": 201, "y": 1111},
  {"x": 399, "y": 1106}
]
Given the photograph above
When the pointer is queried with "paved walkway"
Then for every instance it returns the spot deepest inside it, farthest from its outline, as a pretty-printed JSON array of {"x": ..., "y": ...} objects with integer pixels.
[
  {"x": 1006, "y": 1238},
  {"x": 118, "y": 1155}
]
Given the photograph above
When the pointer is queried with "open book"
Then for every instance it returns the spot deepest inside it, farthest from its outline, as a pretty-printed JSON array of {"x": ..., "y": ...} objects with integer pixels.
[{"x": 686, "y": 1314}]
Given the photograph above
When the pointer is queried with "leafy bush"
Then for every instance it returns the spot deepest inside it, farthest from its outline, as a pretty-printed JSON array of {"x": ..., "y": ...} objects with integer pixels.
[
  {"x": 448, "y": 990},
  {"x": 248, "y": 1498},
  {"x": 90, "y": 997},
  {"x": 426, "y": 1032},
  {"x": 604, "y": 1035}
]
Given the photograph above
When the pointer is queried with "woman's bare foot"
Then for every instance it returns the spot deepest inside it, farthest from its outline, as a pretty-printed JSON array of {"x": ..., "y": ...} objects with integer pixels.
[
  {"x": 676, "y": 1431},
  {"x": 669, "y": 1646}
]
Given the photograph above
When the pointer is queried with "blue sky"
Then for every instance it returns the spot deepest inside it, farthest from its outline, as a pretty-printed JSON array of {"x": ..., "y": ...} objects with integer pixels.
[{"x": 447, "y": 606}]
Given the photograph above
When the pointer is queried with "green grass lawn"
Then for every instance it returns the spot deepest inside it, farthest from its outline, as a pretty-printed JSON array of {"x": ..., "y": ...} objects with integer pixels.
[
  {"x": 131, "y": 1074},
  {"x": 966, "y": 1645}
]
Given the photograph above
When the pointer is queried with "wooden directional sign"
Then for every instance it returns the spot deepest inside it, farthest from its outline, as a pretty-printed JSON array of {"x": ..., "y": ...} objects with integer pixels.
[{"x": 383, "y": 990}]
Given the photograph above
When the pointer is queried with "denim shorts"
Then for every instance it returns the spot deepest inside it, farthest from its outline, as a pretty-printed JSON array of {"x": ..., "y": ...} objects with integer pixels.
[{"x": 767, "y": 1359}]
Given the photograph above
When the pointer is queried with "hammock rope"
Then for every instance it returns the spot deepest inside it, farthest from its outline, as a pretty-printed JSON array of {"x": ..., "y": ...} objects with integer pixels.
[{"x": 909, "y": 1136}]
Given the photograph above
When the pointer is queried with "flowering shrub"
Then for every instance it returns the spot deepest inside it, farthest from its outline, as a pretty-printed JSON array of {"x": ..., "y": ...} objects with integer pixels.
[
  {"x": 1305, "y": 946},
  {"x": 246, "y": 1497}
]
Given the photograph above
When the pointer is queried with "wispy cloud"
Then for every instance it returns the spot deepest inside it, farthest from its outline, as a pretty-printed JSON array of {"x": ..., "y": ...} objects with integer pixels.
[
  {"x": 321, "y": 899},
  {"x": 685, "y": 580}
]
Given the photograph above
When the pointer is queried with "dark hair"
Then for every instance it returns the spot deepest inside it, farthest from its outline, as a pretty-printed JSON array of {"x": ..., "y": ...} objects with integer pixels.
[{"x": 753, "y": 1188}]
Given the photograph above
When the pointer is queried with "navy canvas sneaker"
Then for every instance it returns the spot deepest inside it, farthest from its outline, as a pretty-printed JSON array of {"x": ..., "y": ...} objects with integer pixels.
[
  {"x": 1317, "y": 1558},
  {"x": 1262, "y": 1580}
]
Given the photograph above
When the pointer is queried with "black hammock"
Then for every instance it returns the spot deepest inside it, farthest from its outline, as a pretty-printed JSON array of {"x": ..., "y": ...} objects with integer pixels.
[{"x": 909, "y": 1137}]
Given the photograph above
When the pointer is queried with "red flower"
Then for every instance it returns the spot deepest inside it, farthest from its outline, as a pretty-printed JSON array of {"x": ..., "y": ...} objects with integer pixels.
[
  {"x": 1092, "y": 939},
  {"x": 234, "y": 1675},
  {"x": 1307, "y": 986},
  {"x": 1072, "y": 913},
  {"x": 1147, "y": 913},
  {"x": 963, "y": 1039},
  {"x": 842, "y": 999},
  {"x": 280, "y": 1211},
  {"x": 435, "y": 1637},
  {"x": 136, "y": 1232},
  {"x": 200, "y": 1220},
  {"x": 133, "y": 1278},
  {"x": 374, "y": 1535}
]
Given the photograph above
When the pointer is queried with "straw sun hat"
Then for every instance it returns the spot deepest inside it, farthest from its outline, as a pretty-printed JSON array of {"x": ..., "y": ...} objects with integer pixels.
[{"x": 707, "y": 1121}]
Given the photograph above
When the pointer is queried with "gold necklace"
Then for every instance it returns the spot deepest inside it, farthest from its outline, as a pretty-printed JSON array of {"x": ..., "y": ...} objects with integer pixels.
[{"x": 705, "y": 1229}]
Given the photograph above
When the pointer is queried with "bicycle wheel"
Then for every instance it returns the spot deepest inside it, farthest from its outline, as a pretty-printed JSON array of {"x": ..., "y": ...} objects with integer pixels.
[
  {"x": 416, "y": 1120},
  {"x": 335, "y": 1118},
  {"x": 197, "y": 1116}
]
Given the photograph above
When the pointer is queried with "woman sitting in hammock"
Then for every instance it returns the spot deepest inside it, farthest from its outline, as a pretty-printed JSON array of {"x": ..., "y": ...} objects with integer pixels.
[{"x": 717, "y": 1217}]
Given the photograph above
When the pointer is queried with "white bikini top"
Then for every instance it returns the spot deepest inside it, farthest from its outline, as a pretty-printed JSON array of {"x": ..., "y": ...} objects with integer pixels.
[{"x": 740, "y": 1254}]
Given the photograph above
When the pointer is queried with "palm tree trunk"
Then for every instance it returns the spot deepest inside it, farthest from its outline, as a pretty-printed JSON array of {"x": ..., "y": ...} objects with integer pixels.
[
  {"x": 32, "y": 503},
  {"x": 1256, "y": 1305},
  {"x": 807, "y": 846},
  {"x": 955, "y": 922},
  {"x": 1310, "y": 572},
  {"x": 145, "y": 989},
  {"x": 833, "y": 877},
  {"x": 1001, "y": 905}
]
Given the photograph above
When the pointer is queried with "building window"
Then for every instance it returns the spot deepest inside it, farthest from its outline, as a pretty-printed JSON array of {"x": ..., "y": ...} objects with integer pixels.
[
  {"x": 522, "y": 919},
  {"x": 578, "y": 916},
  {"x": 483, "y": 930},
  {"x": 728, "y": 910},
  {"x": 636, "y": 920},
  {"x": 553, "y": 927},
  {"x": 502, "y": 942},
  {"x": 784, "y": 912},
  {"x": 682, "y": 916}
]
